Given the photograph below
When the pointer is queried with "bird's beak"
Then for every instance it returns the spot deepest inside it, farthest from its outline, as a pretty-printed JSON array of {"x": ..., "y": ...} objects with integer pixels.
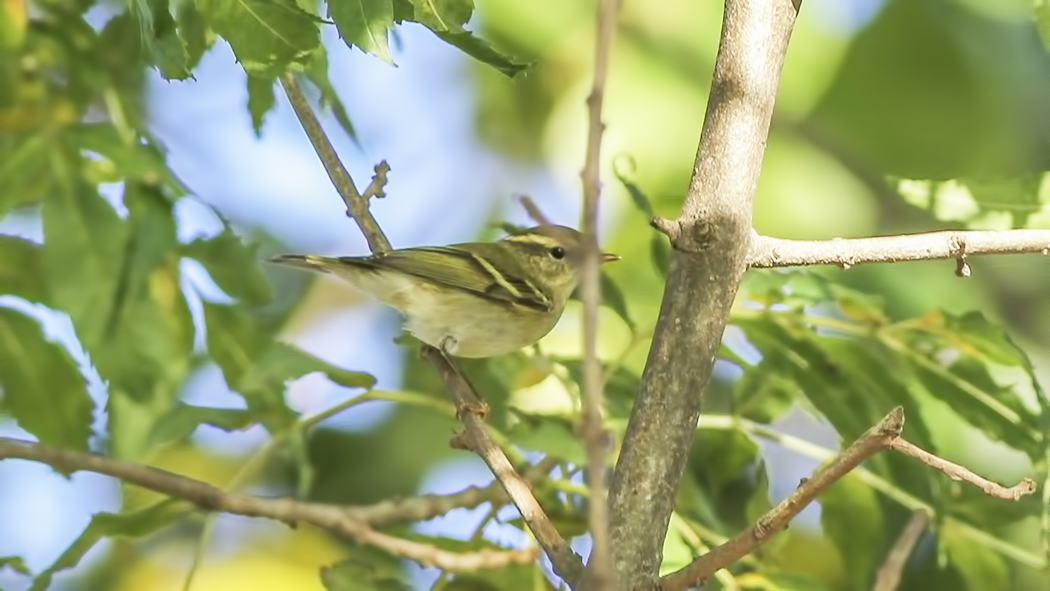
[{"x": 608, "y": 257}]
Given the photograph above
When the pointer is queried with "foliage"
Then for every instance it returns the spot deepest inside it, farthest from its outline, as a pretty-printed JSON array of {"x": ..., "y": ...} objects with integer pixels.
[{"x": 806, "y": 350}]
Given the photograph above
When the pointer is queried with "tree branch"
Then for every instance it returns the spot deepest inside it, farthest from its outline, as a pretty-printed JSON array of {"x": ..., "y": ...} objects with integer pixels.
[
  {"x": 567, "y": 564},
  {"x": 776, "y": 252},
  {"x": 711, "y": 239},
  {"x": 339, "y": 520},
  {"x": 873, "y": 441},
  {"x": 599, "y": 571},
  {"x": 889, "y": 575},
  {"x": 957, "y": 472}
]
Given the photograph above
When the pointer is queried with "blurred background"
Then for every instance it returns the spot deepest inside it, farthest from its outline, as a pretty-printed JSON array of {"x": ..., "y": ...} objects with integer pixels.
[{"x": 872, "y": 91}]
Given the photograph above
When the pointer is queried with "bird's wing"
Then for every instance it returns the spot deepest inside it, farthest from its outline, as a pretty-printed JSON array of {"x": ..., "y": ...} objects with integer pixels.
[{"x": 463, "y": 267}]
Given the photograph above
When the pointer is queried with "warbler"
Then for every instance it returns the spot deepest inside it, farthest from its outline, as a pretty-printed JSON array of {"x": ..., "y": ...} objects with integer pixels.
[{"x": 476, "y": 299}]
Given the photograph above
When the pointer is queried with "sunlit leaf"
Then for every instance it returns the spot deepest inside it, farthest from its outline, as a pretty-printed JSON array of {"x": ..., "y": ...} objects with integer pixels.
[
  {"x": 42, "y": 387},
  {"x": 233, "y": 265},
  {"x": 266, "y": 35},
  {"x": 194, "y": 32},
  {"x": 20, "y": 269},
  {"x": 261, "y": 99},
  {"x": 282, "y": 363},
  {"x": 481, "y": 50},
  {"x": 133, "y": 524},
  {"x": 443, "y": 15},
  {"x": 183, "y": 419},
  {"x": 358, "y": 575},
  {"x": 364, "y": 24}
]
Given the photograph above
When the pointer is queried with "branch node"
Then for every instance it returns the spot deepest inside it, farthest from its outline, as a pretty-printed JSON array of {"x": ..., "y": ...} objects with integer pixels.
[{"x": 375, "y": 188}]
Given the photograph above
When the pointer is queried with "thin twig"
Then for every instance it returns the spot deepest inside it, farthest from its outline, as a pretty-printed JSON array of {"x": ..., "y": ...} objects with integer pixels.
[
  {"x": 599, "y": 571},
  {"x": 889, "y": 575},
  {"x": 533, "y": 210},
  {"x": 332, "y": 518},
  {"x": 567, "y": 564},
  {"x": 776, "y": 252},
  {"x": 870, "y": 443},
  {"x": 356, "y": 205},
  {"x": 957, "y": 472}
]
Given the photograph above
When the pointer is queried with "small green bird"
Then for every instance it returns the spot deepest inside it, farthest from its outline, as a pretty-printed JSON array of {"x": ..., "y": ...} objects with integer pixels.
[{"x": 477, "y": 299}]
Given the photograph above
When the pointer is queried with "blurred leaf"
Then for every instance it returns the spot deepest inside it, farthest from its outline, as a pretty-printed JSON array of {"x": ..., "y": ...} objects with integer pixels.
[
  {"x": 20, "y": 272},
  {"x": 164, "y": 44},
  {"x": 234, "y": 341},
  {"x": 356, "y": 575},
  {"x": 550, "y": 435},
  {"x": 139, "y": 160},
  {"x": 638, "y": 197},
  {"x": 260, "y": 100},
  {"x": 282, "y": 363},
  {"x": 974, "y": 335},
  {"x": 84, "y": 242},
  {"x": 183, "y": 419},
  {"x": 14, "y": 563},
  {"x": 660, "y": 253},
  {"x": 266, "y": 35},
  {"x": 233, "y": 265},
  {"x": 42, "y": 386},
  {"x": 1042, "y": 20},
  {"x": 132, "y": 524},
  {"x": 781, "y": 581},
  {"x": 852, "y": 517},
  {"x": 194, "y": 32},
  {"x": 613, "y": 297},
  {"x": 766, "y": 390},
  {"x": 317, "y": 72},
  {"x": 677, "y": 551},
  {"x": 364, "y": 24},
  {"x": 480, "y": 50},
  {"x": 25, "y": 169},
  {"x": 621, "y": 387},
  {"x": 978, "y": 567}
]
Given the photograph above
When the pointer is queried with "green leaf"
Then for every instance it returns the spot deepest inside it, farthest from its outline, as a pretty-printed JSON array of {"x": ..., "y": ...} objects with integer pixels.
[
  {"x": 364, "y": 24},
  {"x": 638, "y": 197},
  {"x": 977, "y": 566},
  {"x": 852, "y": 518},
  {"x": 235, "y": 341},
  {"x": 261, "y": 99},
  {"x": 266, "y": 35},
  {"x": 317, "y": 72},
  {"x": 660, "y": 253},
  {"x": 481, "y": 50},
  {"x": 282, "y": 363},
  {"x": 677, "y": 552},
  {"x": 20, "y": 269},
  {"x": 164, "y": 44},
  {"x": 14, "y": 563},
  {"x": 358, "y": 575},
  {"x": 138, "y": 160},
  {"x": 84, "y": 241},
  {"x": 42, "y": 386},
  {"x": 550, "y": 435},
  {"x": 133, "y": 524},
  {"x": 233, "y": 265},
  {"x": 613, "y": 297},
  {"x": 194, "y": 32},
  {"x": 182, "y": 420},
  {"x": 25, "y": 170},
  {"x": 443, "y": 15},
  {"x": 1042, "y": 20}
]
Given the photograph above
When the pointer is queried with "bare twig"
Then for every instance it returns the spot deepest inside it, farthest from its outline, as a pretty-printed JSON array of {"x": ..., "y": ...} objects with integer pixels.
[
  {"x": 333, "y": 518},
  {"x": 533, "y": 210},
  {"x": 599, "y": 571},
  {"x": 957, "y": 472},
  {"x": 567, "y": 564},
  {"x": 873, "y": 441},
  {"x": 776, "y": 252},
  {"x": 889, "y": 575},
  {"x": 356, "y": 205},
  {"x": 711, "y": 239}
]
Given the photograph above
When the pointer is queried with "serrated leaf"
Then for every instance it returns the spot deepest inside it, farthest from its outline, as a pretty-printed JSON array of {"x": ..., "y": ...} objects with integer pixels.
[
  {"x": 266, "y": 35},
  {"x": 20, "y": 269},
  {"x": 194, "y": 32},
  {"x": 364, "y": 24},
  {"x": 261, "y": 100},
  {"x": 164, "y": 44},
  {"x": 851, "y": 516},
  {"x": 84, "y": 241},
  {"x": 134, "y": 524},
  {"x": 481, "y": 50},
  {"x": 233, "y": 265},
  {"x": 357, "y": 575},
  {"x": 14, "y": 563},
  {"x": 42, "y": 386},
  {"x": 442, "y": 15},
  {"x": 182, "y": 420}
]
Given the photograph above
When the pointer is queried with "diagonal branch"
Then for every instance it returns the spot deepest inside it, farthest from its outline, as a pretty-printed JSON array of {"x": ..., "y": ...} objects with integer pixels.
[
  {"x": 567, "y": 564},
  {"x": 776, "y": 252},
  {"x": 873, "y": 441},
  {"x": 594, "y": 438},
  {"x": 889, "y": 575},
  {"x": 711, "y": 238},
  {"x": 339, "y": 520}
]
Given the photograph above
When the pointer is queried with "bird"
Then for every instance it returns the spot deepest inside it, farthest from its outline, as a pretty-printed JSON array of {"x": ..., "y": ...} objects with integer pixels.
[{"x": 474, "y": 299}]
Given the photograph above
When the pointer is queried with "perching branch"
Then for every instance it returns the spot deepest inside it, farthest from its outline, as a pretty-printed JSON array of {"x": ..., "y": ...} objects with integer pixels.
[
  {"x": 711, "y": 238},
  {"x": 599, "y": 571},
  {"x": 884, "y": 435},
  {"x": 567, "y": 564},
  {"x": 351, "y": 522},
  {"x": 775, "y": 252},
  {"x": 889, "y": 575}
]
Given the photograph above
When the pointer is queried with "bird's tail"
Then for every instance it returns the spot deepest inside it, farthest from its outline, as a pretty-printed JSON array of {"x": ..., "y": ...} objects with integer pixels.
[{"x": 304, "y": 261}]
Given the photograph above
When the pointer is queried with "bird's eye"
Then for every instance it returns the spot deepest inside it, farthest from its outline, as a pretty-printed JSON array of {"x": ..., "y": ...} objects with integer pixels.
[{"x": 558, "y": 252}]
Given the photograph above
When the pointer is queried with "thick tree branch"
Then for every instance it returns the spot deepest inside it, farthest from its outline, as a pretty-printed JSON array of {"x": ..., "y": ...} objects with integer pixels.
[
  {"x": 599, "y": 571},
  {"x": 775, "y": 252},
  {"x": 350, "y": 522},
  {"x": 567, "y": 564},
  {"x": 873, "y": 441},
  {"x": 889, "y": 575},
  {"x": 711, "y": 238}
]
